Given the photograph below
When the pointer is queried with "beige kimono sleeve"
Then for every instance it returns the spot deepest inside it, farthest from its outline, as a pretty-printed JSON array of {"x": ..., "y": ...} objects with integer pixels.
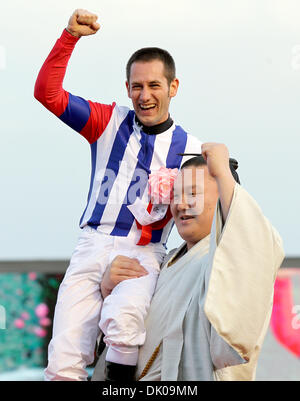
[{"x": 245, "y": 257}]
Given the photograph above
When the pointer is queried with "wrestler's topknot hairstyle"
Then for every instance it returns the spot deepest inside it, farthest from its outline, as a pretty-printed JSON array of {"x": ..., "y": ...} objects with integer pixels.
[
  {"x": 153, "y": 53},
  {"x": 198, "y": 160}
]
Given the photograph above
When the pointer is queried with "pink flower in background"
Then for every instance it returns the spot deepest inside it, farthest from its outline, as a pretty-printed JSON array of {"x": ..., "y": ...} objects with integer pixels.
[
  {"x": 161, "y": 184},
  {"x": 19, "y": 323},
  {"x": 25, "y": 315},
  {"x": 45, "y": 321},
  {"x": 40, "y": 332},
  {"x": 42, "y": 310},
  {"x": 32, "y": 276}
]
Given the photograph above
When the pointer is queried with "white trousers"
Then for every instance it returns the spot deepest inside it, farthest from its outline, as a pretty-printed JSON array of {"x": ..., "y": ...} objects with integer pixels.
[{"x": 80, "y": 312}]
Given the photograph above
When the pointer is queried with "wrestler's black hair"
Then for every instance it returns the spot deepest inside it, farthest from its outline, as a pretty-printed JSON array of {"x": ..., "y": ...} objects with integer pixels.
[
  {"x": 199, "y": 160},
  {"x": 153, "y": 53}
]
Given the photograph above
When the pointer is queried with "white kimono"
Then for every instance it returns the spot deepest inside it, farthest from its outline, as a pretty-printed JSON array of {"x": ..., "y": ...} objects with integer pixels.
[{"x": 212, "y": 306}]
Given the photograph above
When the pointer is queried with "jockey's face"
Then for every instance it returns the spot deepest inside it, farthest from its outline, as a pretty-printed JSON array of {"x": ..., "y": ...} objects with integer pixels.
[{"x": 150, "y": 92}]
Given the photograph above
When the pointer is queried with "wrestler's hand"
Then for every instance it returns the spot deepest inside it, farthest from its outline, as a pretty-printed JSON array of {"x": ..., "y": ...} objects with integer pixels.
[
  {"x": 121, "y": 268},
  {"x": 82, "y": 23},
  {"x": 217, "y": 159}
]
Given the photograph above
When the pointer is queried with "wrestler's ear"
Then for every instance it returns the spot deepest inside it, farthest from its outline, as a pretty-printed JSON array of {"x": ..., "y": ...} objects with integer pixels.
[
  {"x": 174, "y": 87},
  {"x": 128, "y": 89}
]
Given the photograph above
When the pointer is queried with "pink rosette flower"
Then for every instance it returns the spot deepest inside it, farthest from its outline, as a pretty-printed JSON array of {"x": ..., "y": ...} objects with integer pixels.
[
  {"x": 32, "y": 276},
  {"x": 161, "y": 183},
  {"x": 45, "y": 321},
  {"x": 25, "y": 315},
  {"x": 42, "y": 310},
  {"x": 19, "y": 323},
  {"x": 40, "y": 332}
]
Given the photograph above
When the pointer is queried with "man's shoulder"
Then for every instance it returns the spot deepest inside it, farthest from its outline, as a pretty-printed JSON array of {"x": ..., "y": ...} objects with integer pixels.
[
  {"x": 193, "y": 144},
  {"x": 122, "y": 113},
  {"x": 194, "y": 141},
  {"x": 122, "y": 110}
]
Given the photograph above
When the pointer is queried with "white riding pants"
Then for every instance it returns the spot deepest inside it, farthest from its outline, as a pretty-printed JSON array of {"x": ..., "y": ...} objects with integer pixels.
[{"x": 80, "y": 311}]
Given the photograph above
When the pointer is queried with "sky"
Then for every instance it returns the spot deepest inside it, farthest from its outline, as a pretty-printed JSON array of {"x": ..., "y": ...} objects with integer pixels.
[{"x": 238, "y": 64}]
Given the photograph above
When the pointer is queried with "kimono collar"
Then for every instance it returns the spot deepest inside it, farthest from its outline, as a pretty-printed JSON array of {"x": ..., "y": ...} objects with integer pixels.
[{"x": 200, "y": 248}]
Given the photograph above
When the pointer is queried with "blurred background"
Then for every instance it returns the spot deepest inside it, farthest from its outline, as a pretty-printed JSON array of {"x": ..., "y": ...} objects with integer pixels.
[{"x": 238, "y": 63}]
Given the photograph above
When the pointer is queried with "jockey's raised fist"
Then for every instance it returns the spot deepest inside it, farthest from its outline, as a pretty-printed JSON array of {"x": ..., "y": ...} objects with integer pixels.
[{"x": 82, "y": 23}]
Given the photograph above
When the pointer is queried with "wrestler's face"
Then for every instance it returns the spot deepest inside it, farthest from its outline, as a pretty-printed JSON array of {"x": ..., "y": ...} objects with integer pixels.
[
  {"x": 194, "y": 202},
  {"x": 150, "y": 92}
]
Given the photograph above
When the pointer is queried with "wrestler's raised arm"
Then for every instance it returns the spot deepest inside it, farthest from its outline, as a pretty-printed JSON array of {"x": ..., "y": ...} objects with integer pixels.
[
  {"x": 88, "y": 118},
  {"x": 217, "y": 159}
]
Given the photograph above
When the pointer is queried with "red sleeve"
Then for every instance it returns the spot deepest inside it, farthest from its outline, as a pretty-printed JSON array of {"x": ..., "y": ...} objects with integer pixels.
[{"x": 86, "y": 117}]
